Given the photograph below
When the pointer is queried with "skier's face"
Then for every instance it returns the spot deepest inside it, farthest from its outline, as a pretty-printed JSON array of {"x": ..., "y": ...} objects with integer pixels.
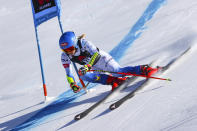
[{"x": 70, "y": 50}]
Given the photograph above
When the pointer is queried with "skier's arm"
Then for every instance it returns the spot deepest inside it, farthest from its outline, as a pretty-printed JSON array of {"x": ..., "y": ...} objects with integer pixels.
[
  {"x": 94, "y": 51},
  {"x": 71, "y": 80},
  {"x": 69, "y": 75},
  {"x": 94, "y": 59}
]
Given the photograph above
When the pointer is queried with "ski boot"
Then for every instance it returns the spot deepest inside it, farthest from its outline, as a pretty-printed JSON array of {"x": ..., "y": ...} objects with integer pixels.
[
  {"x": 115, "y": 81},
  {"x": 148, "y": 71}
]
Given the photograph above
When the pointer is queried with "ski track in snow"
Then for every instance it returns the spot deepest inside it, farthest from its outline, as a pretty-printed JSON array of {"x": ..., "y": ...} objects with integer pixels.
[{"x": 117, "y": 52}]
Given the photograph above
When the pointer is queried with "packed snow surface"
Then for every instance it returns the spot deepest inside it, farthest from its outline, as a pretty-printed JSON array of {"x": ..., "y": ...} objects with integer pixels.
[{"x": 133, "y": 32}]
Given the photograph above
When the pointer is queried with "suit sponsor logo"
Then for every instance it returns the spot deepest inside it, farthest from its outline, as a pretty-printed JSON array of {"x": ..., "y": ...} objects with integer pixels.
[
  {"x": 64, "y": 44},
  {"x": 98, "y": 78}
]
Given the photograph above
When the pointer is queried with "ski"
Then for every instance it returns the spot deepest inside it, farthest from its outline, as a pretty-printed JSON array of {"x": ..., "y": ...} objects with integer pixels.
[
  {"x": 122, "y": 86},
  {"x": 145, "y": 82}
]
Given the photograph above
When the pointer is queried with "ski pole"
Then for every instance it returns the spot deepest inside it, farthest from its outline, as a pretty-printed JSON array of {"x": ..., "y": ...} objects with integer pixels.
[
  {"x": 81, "y": 81},
  {"x": 128, "y": 74}
]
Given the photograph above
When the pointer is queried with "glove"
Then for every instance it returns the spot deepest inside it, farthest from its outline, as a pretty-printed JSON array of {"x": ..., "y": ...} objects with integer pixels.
[
  {"x": 83, "y": 70},
  {"x": 75, "y": 87}
]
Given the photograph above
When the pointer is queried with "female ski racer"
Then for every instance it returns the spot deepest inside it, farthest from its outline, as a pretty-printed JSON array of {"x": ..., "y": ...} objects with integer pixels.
[{"x": 83, "y": 52}]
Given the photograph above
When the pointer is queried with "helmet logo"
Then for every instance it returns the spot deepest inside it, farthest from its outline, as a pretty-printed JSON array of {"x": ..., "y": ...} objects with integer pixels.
[{"x": 64, "y": 44}]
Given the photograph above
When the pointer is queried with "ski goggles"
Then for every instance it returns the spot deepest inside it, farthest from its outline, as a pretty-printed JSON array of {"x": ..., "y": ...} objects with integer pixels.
[{"x": 68, "y": 50}]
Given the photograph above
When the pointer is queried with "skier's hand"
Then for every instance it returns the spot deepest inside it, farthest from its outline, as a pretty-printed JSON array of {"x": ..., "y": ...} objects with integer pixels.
[
  {"x": 75, "y": 87},
  {"x": 83, "y": 70}
]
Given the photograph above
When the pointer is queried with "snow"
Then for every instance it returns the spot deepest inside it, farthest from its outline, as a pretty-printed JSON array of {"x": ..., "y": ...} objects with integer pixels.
[{"x": 148, "y": 29}]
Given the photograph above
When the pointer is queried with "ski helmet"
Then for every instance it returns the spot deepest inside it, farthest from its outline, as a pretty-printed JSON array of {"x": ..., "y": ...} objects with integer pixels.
[{"x": 68, "y": 39}]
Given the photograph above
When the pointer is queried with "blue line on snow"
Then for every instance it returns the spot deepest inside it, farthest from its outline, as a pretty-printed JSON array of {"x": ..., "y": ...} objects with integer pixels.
[
  {"x": 64, "y": 100},
  {"x": 119, "y": 51}
]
